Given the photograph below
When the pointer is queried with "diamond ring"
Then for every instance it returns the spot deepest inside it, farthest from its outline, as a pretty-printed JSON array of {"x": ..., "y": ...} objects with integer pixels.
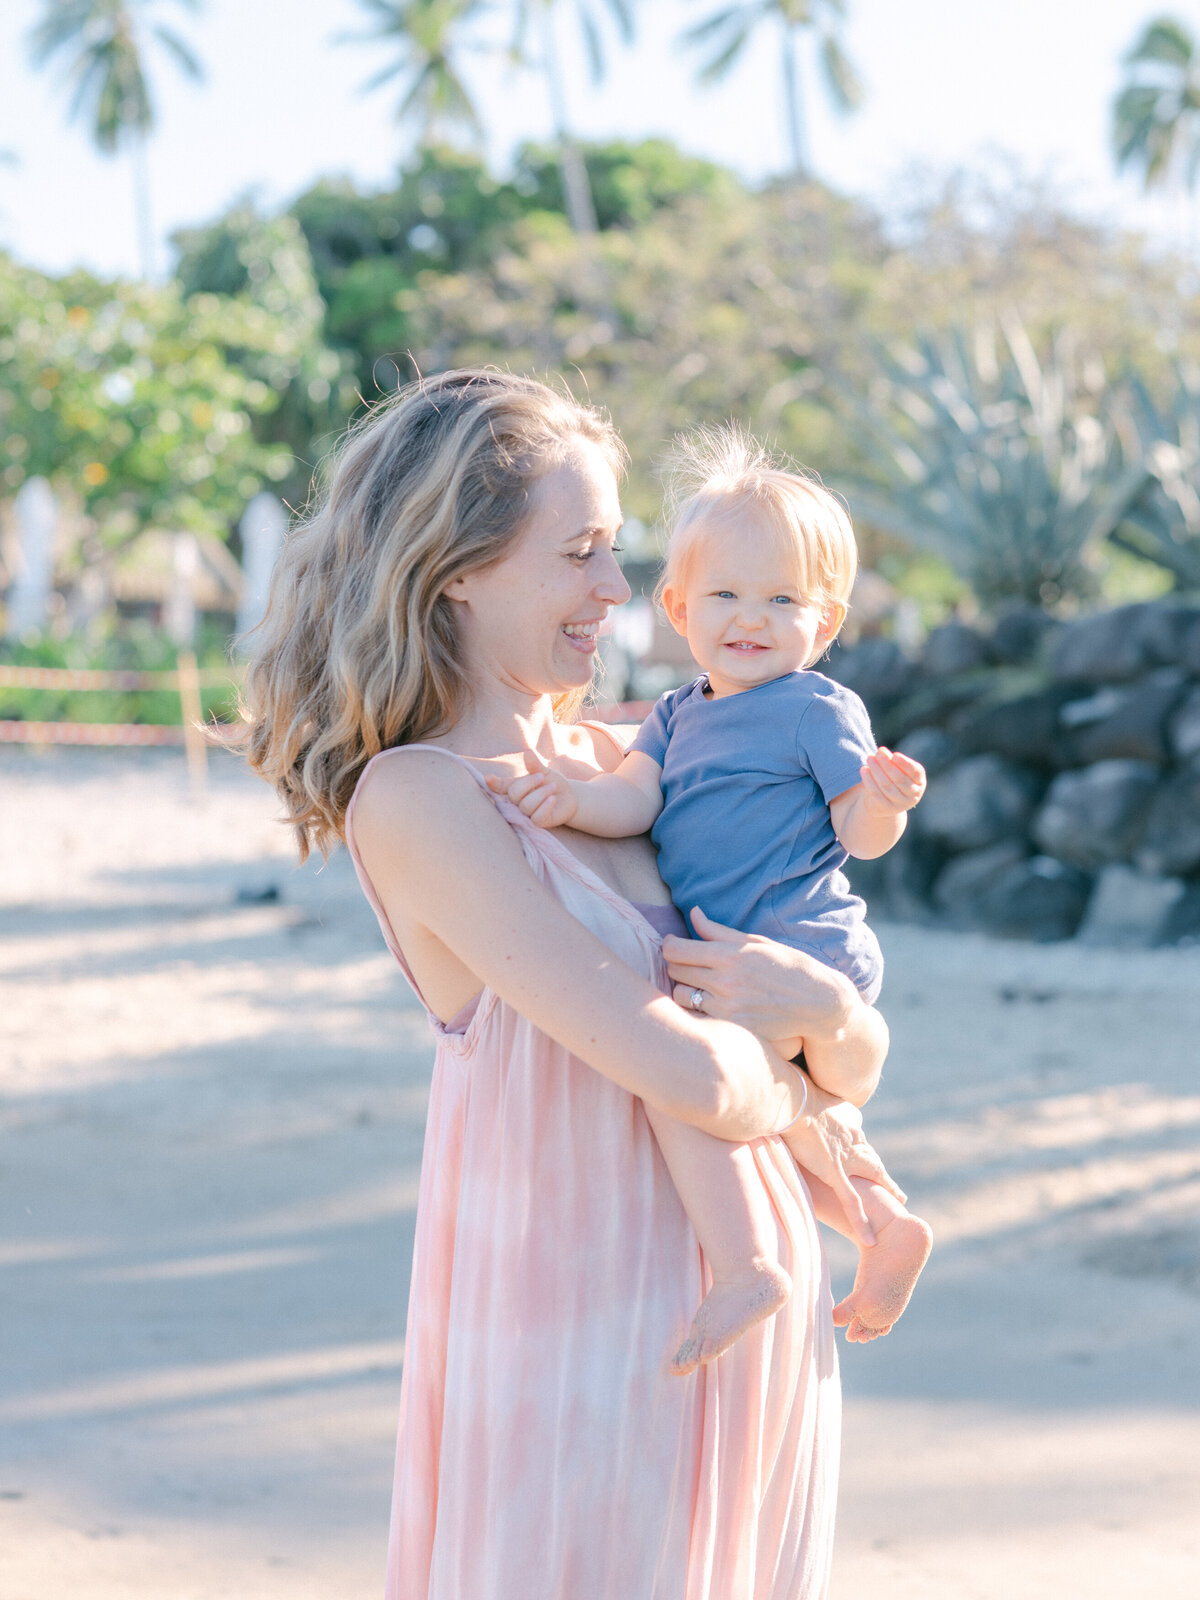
[{"x": 697, "y": 999}]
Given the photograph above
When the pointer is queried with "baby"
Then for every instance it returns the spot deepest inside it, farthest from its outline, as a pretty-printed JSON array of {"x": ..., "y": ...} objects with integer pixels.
[{"x": 759, "y": 777}]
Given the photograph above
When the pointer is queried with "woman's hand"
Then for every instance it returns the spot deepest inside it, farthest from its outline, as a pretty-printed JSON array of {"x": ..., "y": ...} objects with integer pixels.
[
  {"x": 545, "y": 797},
  {"x": 828, "y": 1141},
  {"x": 781, "y": 993},
  {"x": 773, "y": 990}
]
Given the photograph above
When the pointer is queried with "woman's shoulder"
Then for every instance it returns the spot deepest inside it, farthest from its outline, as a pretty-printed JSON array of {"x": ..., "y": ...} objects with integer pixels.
[{"x": 409, "y": 782}]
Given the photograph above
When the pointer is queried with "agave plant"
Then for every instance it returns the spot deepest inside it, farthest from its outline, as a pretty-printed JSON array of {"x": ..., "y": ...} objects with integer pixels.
[
  {"x": 1006, "y": 464},
  {"x": 1163, "y": 522}
]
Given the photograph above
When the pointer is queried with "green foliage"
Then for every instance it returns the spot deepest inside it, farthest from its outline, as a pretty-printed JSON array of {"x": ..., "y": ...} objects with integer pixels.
[
  {"x": 125, "y": 396},
  {"x": 629, "y": 182},
  {"x": 114, "y": 646},
  {"x": 723, "y": 304},
  {"x": 1008, "y": 466},
  {"x": 1163, "y": 523},
  {"x": 374, "y": 254},
  {"x": 257, "y": 273}
]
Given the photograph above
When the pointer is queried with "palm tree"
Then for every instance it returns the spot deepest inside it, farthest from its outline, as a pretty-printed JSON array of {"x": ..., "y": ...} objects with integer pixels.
[
  {"x": 727, "y": 32},
  {"x": 541, "y": 14},
  {"x": 425, "y": 34},
  {"x": 1156, "y": 116},
  {"x": 103, "y": 44}
]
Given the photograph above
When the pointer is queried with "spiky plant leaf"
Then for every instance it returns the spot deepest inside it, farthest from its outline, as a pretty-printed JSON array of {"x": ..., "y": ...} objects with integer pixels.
[{"x": 997, "y": 458}]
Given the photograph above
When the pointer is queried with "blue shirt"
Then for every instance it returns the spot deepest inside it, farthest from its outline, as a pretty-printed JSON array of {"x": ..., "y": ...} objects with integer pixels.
[{"x": 745, "y": 831}]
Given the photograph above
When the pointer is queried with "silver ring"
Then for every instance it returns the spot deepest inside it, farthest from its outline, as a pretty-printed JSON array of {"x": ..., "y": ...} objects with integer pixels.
[{"x": 697, "y": 999}]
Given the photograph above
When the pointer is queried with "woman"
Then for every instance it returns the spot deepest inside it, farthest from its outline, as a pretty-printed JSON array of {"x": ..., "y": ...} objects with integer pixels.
[{"x": 433, "y": 622}]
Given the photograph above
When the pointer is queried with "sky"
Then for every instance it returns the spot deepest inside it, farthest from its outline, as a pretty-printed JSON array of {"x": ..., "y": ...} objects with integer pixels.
[{"x": 950, "y": 83}]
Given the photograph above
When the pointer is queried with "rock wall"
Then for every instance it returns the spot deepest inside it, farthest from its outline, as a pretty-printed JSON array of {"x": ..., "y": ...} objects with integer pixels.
[{"x": 1064, "y": 762}]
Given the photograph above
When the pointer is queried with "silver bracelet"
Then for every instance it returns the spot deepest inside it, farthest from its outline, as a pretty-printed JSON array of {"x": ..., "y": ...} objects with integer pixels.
[{"x": 803, "y": 1109}]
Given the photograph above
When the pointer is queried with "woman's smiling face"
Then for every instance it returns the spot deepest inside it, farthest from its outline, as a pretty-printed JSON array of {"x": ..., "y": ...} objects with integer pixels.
[{"x": 530, "y": 620}]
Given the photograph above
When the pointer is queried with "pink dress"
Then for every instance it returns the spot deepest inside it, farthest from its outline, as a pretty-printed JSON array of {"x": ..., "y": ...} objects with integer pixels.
[{"x": 546, "y": 1452}]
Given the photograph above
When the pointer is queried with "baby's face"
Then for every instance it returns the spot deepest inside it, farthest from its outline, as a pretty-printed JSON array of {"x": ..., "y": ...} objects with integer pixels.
[{"x": 741, "y": 610}]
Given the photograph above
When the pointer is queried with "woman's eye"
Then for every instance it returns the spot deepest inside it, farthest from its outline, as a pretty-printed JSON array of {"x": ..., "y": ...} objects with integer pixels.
[{"x": 582, "y": 555}]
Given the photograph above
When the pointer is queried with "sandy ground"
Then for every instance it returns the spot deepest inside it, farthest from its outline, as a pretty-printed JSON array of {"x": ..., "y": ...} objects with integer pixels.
[{"x": 211, "y": 1128}]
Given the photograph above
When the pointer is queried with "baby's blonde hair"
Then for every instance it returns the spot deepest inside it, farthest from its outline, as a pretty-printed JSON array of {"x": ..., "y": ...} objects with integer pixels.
[{"x": 721, "y": 474}]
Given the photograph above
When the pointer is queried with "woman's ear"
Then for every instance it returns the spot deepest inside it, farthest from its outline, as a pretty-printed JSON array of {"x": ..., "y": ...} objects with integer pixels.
[
  {"x": 456, "y": 589},
  {"x": 676, "y": 608}
]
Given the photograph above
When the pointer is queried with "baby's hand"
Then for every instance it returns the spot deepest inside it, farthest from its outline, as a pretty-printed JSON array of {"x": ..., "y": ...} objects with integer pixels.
[
  {"x": 545, "y": 797},
  {"x": 891, "y": 783}
]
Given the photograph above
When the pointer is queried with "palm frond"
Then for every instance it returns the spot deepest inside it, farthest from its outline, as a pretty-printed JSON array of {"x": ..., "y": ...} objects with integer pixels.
[
  {"x": 841, "y": 79},
  {"x": 1163, "y": 41}
]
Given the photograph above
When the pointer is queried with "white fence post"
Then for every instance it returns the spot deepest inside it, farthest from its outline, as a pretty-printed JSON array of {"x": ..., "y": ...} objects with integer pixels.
[
  {"x": 179, "y": 613},
  {"x": 262, "y": 527},
  {"x": 37, "y": 521}
]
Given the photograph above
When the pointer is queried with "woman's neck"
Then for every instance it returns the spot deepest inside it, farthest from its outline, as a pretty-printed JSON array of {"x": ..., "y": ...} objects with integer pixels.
[{"x": 499, "y": 721}]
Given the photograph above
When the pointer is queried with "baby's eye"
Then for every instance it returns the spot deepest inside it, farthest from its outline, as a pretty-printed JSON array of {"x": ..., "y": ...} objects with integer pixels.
[
  {"x": 782, "y": 599},
  {"x": 726, "y": 594}
]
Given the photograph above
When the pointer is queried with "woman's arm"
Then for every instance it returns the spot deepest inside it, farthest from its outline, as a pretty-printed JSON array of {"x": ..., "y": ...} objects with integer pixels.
[
  {"x": 440, "y": 856},
  {"x": 778, "y": 992}
]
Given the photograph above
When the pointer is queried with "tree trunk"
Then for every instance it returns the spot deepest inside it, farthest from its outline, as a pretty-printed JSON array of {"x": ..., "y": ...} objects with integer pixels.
[
  {"x": 793, "y": 102},
  {"x": 577, "y": 191},
  {"x": 141, "y": 202}
]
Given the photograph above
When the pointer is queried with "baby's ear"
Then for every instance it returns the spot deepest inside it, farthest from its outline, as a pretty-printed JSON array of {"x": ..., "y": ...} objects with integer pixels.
[
  {"x": 676, "y": 608},
  {"x": 832, "y": 618}
]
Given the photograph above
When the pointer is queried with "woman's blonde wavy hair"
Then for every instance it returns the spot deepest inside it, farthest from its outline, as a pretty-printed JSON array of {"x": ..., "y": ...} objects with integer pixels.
[{"x": 358, "y": 651}]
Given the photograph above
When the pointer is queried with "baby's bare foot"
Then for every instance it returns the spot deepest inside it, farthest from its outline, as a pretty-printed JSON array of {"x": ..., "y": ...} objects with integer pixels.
[
  {"x": 887, "y": 1274},
  {"x": 727, "y": 1311}
]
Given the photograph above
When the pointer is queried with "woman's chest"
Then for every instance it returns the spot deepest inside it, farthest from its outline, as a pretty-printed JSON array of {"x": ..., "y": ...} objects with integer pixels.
[{"x": 628, "y": 866}]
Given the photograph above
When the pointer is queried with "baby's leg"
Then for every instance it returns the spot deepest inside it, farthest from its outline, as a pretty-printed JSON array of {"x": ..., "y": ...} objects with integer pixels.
[
  {"x": 887, "y": 1270},
  {"x": 729, "y": 1209}
]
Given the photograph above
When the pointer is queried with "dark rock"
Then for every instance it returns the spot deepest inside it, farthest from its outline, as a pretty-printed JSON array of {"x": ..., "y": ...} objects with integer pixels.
[
  {"x": 934, "y": 704},
  {"x": 1164, "y": 628},
  {"x": 1108, "y": 648},
  {"x": 877, "y": 669},
  {"x": 1171, "y": 840},
  {"x": 1039, "y": 898},
  {"x": 951, "y": 649},
  {"x": 1189, "y": 650},
  {"x": 1018, "y": 633},
  {"x": 1183, "y": 728},
  {"x": 932, "y": 747},
  {"x": 1023, "y": 729},
  {"x": 1097, "y": 814},
  {"x": 1183, "y": 920},
  {"x": 976, "y": 802},
  {"x": 965, "y": 878},
  {"x": 1123, "y": 724},
  {"x": 1130, "y": 908}
]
